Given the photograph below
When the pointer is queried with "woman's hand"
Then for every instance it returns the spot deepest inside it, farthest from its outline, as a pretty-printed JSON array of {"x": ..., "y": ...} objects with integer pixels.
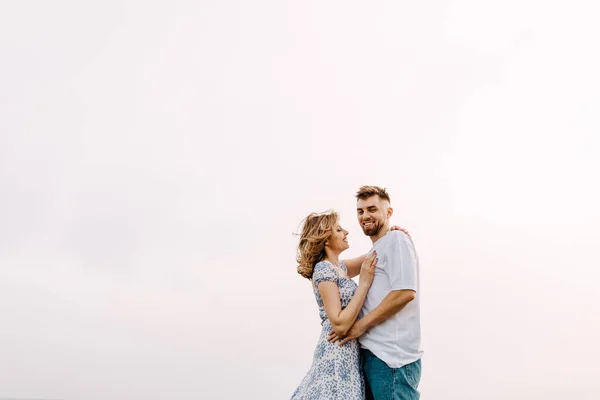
[
  {"x": 399, "y": 228},
  {"x": 367, "y": 270}
]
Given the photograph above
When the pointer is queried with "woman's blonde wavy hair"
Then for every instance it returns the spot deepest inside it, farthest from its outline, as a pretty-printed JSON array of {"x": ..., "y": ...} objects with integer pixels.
[{"x": 316, "y": 229}]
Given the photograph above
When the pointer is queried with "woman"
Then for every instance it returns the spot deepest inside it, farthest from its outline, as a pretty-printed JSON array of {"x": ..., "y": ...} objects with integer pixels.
[{"x": 335, "y": 372}]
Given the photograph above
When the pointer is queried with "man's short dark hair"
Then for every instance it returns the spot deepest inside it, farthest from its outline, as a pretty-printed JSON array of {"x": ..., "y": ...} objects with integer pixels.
[{"x": 367, "y": 191}]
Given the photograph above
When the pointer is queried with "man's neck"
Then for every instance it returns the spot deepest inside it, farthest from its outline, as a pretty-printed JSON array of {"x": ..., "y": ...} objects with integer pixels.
[{"x": 382, "y": 232}]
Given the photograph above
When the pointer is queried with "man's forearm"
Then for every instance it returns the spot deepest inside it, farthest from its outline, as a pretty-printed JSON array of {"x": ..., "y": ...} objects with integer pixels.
[{"x": 393, "y": 303}]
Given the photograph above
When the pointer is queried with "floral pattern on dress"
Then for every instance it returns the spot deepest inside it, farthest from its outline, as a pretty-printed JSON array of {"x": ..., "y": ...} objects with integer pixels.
[{"x": 335, "y": 373}]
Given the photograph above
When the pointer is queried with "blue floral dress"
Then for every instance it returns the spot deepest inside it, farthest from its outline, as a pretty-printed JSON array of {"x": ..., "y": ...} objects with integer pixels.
[{"x": 335, "y": 373}]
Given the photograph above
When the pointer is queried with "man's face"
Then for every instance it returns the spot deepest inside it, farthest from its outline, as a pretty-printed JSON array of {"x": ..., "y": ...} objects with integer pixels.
[{"x": 372, "y": 214}]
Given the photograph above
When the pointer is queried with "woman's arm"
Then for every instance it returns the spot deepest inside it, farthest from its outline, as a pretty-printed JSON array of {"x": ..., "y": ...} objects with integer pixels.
[
  {"x": 353, "y": 265},
  {"x": 342, "y": 320}
]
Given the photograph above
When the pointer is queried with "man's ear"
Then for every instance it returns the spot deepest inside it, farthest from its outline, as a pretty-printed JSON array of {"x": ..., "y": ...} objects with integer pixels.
[{"x": 390, "y": 211}]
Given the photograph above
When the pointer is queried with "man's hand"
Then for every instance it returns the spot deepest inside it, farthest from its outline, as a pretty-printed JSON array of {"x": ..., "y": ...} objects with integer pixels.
[{"x": 355, "y": 331}]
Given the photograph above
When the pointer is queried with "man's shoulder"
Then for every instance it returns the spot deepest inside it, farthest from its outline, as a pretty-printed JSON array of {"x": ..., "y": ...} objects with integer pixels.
[
  {"x": 393, "y": 237},
  {"x": 388, "y": 241},
  {"x": 394, "y": 241}
]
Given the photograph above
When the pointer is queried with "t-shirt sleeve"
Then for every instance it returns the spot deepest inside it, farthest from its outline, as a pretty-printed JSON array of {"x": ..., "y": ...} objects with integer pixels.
[
  {"x": 324, "y": 272},
  {"x": 402, "y": 266}
]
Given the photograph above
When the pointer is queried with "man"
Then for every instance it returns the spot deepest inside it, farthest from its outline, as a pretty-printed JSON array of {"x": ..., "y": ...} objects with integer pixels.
[{"x": 389, "y": 331}]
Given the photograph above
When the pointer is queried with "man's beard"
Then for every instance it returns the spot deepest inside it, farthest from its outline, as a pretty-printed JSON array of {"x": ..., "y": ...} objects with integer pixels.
[{"x": 373, "y": 230}]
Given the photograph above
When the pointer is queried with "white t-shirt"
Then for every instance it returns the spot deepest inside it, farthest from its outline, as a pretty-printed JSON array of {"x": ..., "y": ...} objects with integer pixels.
[{"x": 397, "y": 340}]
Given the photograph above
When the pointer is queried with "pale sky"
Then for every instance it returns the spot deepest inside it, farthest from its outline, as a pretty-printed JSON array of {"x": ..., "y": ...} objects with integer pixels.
[{"x": 156, "y": 157}]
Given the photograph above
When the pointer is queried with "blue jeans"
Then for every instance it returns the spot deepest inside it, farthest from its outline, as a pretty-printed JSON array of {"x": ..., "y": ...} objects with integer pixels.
[{"x": 385, "y": 383}]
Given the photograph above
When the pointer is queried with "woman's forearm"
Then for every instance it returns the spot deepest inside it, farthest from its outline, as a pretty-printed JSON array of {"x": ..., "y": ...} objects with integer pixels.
[
  {"x": 354, "y": 265},
  {"x": 348, "y": 315}
]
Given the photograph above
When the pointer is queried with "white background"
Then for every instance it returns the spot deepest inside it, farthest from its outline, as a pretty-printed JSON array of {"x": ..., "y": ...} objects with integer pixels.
[{"x": 156, "y": 157}]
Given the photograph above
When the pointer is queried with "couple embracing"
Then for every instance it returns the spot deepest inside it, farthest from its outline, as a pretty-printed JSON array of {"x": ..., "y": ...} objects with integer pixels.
[{"x": 370, "y": 343}]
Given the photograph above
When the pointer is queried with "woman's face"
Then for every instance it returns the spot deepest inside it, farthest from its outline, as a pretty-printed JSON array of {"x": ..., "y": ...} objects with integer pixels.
[{"x": 338, "y": 240}]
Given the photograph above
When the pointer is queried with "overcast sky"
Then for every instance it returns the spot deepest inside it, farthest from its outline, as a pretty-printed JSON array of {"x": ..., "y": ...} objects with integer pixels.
[{"x": 156, "y": 157}]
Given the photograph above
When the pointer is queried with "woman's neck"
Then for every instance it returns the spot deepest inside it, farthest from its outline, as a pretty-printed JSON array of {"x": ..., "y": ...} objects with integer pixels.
[{"x": 332, "y": 257}]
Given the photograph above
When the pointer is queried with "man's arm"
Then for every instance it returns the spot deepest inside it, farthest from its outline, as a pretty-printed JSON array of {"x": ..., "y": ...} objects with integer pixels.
[
  {"x": 393, "y": 303},
  {"x": 402, "y": 272}
]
